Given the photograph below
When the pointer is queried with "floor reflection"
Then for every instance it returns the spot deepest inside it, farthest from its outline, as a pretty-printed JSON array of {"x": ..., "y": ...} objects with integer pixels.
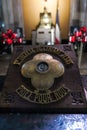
[{"x": 43, "y": 122}]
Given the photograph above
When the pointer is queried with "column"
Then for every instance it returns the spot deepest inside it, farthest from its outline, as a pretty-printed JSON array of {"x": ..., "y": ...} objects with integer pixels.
[
  {"x": 12, "y": 12},
  {"x": 83, "y": 12},
  {"x": 5, "y": 13},
  {"x": 18, "y": 13},
  {"x": 75, "y": 12}
]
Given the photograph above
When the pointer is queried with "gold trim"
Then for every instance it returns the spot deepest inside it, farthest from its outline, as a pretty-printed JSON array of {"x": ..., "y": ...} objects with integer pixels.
[
  {"x": 45, "y": 97},
  {"x": 45, "y": 49}
]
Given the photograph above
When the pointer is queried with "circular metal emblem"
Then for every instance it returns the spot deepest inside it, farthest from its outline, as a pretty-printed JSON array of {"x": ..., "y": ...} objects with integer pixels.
[
  {"x": 42, "y": 67},
  {"x": 42, "y": 70}
]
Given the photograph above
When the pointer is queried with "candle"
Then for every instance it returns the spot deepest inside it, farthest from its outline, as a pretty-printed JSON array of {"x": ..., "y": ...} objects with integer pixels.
[
  {"x": 72, "y": 39},
  {"x": 78, "y": 33},
  {"x": 85, "y": 40}
]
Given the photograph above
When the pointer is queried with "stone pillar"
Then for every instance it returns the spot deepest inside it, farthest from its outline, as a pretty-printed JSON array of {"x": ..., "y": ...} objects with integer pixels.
[
  {"x": 15, "y": 12},
  {"x": 12, "y": 12},
  {"x": 1, "y": 13},
  {"x": 5, "y": 13},
  {"x": 74, "y": 12},
  {"x": 18, "y": 13},
  {"x": 83, "y": 12}
]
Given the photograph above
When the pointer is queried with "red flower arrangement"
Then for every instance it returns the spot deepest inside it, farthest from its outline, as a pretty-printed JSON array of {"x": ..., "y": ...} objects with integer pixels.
[
  {"x": 9, "y": 37},
  {"x": 79, "y": 35}
]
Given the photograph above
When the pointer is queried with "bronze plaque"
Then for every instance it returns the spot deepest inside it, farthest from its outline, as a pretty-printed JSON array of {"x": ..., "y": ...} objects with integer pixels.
[{"x": 43, "y": 79}]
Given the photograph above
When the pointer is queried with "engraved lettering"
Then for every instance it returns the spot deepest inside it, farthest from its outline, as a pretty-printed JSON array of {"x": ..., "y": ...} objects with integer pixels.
[
  {"x": 42, "y": 98},
  {"x": 47, "y": 49}
]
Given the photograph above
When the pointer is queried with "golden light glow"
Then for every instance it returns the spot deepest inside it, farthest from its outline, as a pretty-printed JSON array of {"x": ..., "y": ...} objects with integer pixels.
[{"x": 33, "y": 8}]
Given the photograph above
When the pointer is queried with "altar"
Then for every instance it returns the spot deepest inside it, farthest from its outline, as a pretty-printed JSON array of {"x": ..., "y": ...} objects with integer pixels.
[{"x": 43, "y": 79}]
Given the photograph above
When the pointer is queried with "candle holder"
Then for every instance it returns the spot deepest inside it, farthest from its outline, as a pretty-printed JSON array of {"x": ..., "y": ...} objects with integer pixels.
[{"x": 78, "y": 36}]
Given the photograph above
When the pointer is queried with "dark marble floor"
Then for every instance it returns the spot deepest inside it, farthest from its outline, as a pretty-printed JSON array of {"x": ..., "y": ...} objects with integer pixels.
[{"x": 43, "y": 122}]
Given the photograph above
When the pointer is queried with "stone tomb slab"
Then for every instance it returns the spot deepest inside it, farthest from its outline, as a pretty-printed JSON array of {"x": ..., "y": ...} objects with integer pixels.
[{"x": 66, "y": 95}]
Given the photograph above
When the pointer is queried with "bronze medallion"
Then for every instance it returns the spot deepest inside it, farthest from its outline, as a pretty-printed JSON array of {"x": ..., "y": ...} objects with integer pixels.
[{"x": 42, "y": 70}]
